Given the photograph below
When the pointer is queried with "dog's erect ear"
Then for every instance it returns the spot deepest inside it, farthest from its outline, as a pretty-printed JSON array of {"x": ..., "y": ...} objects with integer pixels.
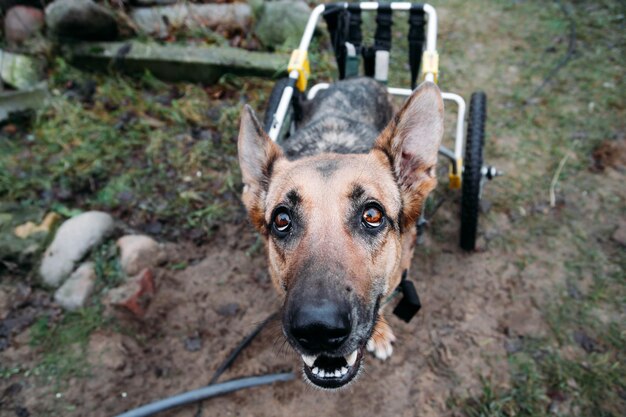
[
  {"x": 411, "y": 142},
  {"x": 257, "y": 154}
]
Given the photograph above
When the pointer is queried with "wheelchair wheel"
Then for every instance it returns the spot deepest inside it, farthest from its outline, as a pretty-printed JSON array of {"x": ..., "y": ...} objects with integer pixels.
[
  {"x": 272, "y": 106},
  {"x": 472, "y": 167}
]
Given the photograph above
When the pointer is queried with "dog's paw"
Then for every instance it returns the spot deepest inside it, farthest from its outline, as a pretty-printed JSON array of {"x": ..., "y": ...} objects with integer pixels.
[{"x": 380, "y": 344}]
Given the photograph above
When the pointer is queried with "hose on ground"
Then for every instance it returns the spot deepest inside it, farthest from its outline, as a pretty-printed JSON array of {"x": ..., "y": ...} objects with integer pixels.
[{"x": 206, "y": 392}]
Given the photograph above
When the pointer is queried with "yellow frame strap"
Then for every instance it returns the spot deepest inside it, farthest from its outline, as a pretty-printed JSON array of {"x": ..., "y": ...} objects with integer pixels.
[{"x": 300, "y": 62}]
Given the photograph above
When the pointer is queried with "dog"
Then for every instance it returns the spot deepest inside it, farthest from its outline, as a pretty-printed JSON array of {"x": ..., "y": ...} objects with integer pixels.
[{"x": 337, "y": 206}]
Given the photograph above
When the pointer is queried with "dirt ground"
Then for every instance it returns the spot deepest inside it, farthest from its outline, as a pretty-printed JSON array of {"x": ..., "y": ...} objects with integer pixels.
[{"x": 479, "y": 309}]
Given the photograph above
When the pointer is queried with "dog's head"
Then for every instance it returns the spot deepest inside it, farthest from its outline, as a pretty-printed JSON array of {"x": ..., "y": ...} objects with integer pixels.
[{"x": 336, "y": 226}]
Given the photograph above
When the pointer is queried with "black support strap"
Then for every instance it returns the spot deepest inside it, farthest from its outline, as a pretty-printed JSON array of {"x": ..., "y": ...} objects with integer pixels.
[
  {"x": 344, "y": 26},
  {"x": 338, "y": 21},
  {"x": 416, "y": 42},
  {"x": 382, "y": 37}
]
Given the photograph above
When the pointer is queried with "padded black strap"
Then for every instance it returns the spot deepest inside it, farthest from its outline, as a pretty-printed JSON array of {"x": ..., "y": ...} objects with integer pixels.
[
  {"x": 355, "y": 36},
  {"x": 382, "y": 37},
  {"x": 416, "y": 42},
  {"x": 369, "y": 60},
  {"x": 338, "y": 21}
]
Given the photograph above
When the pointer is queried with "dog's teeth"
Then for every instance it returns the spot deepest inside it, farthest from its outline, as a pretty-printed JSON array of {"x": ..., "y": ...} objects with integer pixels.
[
  {"x": 351, "y": 358},
  {"x": 322, "y": 374},
  {"x": 309, "y": 360},
  {"x": 337, "y": 373},
  {"x": 344, "y": 370},
  {"x": 315, "y": 371}
]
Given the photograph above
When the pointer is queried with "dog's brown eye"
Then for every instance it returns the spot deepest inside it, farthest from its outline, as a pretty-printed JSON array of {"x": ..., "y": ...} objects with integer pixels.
[
  {"x": 282, "y": 221},
  {"x": 372, "y": 217}
]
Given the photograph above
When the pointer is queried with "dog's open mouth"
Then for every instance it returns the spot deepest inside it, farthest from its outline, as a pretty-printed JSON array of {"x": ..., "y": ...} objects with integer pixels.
[{"x": 332, "y": 372}]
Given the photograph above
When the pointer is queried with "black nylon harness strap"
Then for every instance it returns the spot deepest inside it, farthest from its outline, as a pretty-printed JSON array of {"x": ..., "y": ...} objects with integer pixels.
[
  {"x": 337, "y": 19},
  {"x": 416, "y": 42},
  {"x": 382, "y": 37},
  {"x": 344, "y": 26}
]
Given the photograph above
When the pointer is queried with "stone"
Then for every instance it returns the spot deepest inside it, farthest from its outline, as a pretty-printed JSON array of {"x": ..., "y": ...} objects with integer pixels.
[
  {"x": 619, "y": 235},
  {"x": 193, "y": 343},
  {"x": 159, "y": 20},
  {"x": 281, "y": 23},
  {"x": 228, "y": 310},
  {"x": 135, "y": 295},
  {"x": 73, "y": 294},
  {"x": 175, "y": 62},
  {"x": 5, "y": 303},
  {"x": 22, "y": 23},
  {"x": 81, "y": 19},
  {"x": 138, "y": 252},
  {"x": 74, "y": 238},
  {"x": 20, "y": 71},
  {"x": 145, "y": 3},
  {"x": 16, "y": 102}
]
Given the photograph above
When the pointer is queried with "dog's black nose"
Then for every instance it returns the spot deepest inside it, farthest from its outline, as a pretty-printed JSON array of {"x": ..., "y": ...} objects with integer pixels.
[{"x": 320, "y": 326}]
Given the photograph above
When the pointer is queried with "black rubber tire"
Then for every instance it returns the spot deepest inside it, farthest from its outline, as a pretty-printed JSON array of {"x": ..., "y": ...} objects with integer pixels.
[
  {"x": 272, "y": 106},
  {"x": 472, "y": 166}
]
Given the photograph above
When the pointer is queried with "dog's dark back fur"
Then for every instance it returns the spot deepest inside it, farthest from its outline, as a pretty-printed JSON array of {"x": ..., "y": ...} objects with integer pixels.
[{"x": 345, "y": 118}]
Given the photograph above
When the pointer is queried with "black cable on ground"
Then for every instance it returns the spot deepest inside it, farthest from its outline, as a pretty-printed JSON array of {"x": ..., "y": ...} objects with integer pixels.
[
  {"x": 204, "y": 393},
  {"x": 571, "y": 50},
  {"x": 233, "y": 355},
  {"x": 241, "y": 346}
]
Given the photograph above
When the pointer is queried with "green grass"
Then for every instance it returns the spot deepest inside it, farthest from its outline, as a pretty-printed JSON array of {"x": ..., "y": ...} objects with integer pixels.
[
  {"x": 63, "y": 343},
  {"x": 165, "y": 152},
  {"x": 581, "y": 107}
]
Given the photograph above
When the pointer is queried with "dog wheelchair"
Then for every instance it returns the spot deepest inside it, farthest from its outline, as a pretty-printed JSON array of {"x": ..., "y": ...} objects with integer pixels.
[{"x": 343, "y": 20}]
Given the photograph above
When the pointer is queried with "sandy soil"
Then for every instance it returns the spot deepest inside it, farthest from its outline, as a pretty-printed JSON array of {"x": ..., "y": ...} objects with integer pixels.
[{"x": 474, "y": 306}]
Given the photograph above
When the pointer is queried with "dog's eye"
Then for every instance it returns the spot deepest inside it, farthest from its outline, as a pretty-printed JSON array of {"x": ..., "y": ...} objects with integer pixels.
[
  {"x": 282, "y": 221},
  {"x": 372, "y": 217}
]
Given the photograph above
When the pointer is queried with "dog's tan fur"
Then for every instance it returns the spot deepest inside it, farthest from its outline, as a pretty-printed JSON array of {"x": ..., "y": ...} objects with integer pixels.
[{"x": 399, "y": 173}]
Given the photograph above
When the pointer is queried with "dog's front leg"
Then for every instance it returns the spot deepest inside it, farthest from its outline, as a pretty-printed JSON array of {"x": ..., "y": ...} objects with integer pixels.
[{"x": 380, "y": 344}]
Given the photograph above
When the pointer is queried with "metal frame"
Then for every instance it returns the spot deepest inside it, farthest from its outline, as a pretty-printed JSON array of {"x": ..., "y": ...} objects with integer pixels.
[{"x": 455, "y": 156}]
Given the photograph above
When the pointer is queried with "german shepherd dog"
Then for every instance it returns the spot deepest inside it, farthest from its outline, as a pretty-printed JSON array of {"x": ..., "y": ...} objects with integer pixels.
[{"x": 337, "y": 206}]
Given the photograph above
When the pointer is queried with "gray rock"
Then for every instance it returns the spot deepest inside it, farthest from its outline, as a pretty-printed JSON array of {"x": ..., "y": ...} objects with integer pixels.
[
  {"x": 81, "y": 19},
  {"x": 281, "y": 23},
  {"x": 73, "y": 240},
  {"x": 228, "y": 310},
  {"x": 145, "y": 3},
  {"x": 20, "y": 71},
  {"x": 193, "y": 343},
  {"x": 21, "y": 23},
  {"x": 138, "y": 252},
  {"x": 15, "y": 102},
  {"x": 73, "y": 294},
  {"x": 159, "y": 20}
]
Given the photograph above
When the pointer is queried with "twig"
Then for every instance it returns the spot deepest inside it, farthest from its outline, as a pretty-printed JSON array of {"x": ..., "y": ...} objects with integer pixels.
[
  {"x": 571, "y": 50},
  {"x": 555, "y": 180}
]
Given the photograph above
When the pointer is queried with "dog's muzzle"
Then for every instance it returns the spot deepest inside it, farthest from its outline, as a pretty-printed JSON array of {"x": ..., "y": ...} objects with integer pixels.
[{"x": 323, "y": 330}]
